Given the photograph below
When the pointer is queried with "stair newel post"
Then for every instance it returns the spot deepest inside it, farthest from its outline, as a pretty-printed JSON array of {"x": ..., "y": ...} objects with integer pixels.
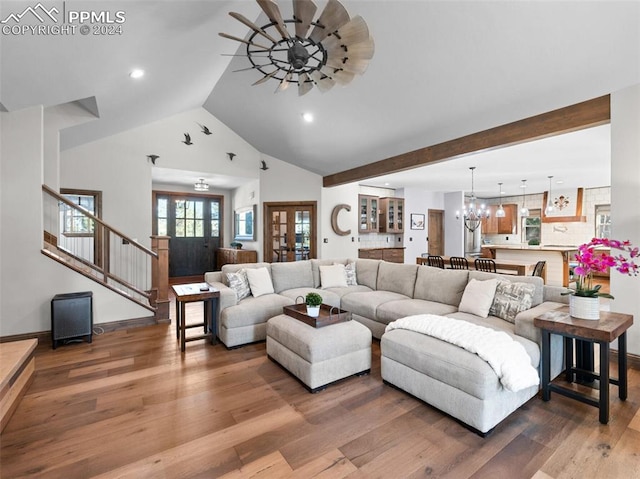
[{"x": 160, "y": 277}]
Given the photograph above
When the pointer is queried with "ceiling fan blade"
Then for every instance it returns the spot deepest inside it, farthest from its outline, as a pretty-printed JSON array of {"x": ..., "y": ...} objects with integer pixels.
[
  {"x": 324, "y": 83},
  {"x": 285, "y": 82},
  {"x": 252, "y": 26},
  {"x": 303, "y": 12},
  {"x": 360, "y": 51},
  {"x": 251, "y": 68},
  {"x": 265, "y": 78},
  {"x": 355, "y": 31},
  {"x": 304, "y": 84},
  {"x": 332, "y": 17},
  {"x": 349, "y": 65},
  {"x": 341, "y": 77},
  {"x": 231, "y": 37},
  {"x": 273, "y": 12}
]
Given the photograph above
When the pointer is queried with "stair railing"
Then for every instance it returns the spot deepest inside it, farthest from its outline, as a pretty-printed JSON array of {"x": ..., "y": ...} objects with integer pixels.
[{"x": 75, "y": 237}]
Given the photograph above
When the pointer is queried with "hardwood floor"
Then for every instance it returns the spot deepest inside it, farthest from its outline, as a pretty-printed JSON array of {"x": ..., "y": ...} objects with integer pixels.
[{"x": 131, "y": 405}]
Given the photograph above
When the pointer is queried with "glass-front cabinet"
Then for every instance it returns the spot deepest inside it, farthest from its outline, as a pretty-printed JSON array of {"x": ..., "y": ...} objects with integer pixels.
[
  {"x": 392, "y": 215},
  {"x": 368, "y": 211}
]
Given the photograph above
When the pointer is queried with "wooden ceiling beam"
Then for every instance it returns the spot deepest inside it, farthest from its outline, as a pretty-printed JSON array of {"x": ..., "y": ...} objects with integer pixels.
[{"x": 563, "y": 120}]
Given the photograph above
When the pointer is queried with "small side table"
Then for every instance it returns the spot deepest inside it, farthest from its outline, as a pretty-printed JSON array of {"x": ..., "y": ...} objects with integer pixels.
[
  {"x": 603, "y": 331},
  {"x": 190, "y": 293}
]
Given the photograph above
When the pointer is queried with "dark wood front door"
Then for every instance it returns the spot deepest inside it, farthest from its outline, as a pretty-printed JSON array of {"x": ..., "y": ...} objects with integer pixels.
[
  {"x": 289, "y": 231},
  {"x": 194, "y": 224},
  {"x": 436, "y": 232}
]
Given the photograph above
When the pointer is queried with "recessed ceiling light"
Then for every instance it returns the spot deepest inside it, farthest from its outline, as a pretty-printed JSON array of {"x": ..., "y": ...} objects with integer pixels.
[
  {"x": 308, "y": 117},
  {"x": 386, "y": 184},
  {"x": 137, "y": 73},
  {"x": 559, "y": 182}
]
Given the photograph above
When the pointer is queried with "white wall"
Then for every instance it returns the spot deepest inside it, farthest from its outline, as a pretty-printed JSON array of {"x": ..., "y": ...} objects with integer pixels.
[
  {"x": 419, "y": 201},
  {"x": 248, "y": 195},
  {"x": 339, "y": 246},
  {"x": 453, "y": 227},
  {"x": 30, "y": 279},
  {"x": 625, "y": 198}
]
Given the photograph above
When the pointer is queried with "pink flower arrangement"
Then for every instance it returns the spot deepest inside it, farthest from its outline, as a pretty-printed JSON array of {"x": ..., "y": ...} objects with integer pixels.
[{"x": 592, "y": 261}]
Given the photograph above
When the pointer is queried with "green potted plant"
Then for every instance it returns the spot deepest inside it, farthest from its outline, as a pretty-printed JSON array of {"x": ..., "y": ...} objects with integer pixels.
[{"x": 313, "y": 302}]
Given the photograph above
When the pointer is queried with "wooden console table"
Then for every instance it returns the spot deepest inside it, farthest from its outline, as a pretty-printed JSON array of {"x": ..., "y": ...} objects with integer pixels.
[{"x": 603, "y": 331}]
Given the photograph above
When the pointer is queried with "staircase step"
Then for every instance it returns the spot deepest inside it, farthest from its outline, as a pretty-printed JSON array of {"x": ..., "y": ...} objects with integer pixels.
[{"x": 17, "y": 365}]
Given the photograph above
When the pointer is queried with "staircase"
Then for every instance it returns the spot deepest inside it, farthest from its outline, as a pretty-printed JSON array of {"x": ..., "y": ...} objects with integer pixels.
[{"x": 79, "y": 240}]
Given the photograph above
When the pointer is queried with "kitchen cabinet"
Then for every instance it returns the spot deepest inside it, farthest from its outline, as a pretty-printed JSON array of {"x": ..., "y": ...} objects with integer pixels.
[
  {"x": 368, "y": 214},
  {"x": 392, "y": 215},
  {"x": 392, "y": 255},
  {"x": 235, "y": 256},
  {"x": 506, "y": 225}
]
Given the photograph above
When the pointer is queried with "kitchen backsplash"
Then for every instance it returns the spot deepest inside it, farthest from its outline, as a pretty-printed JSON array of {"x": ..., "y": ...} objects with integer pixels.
[
  {"x": 569, "y": 233},
  {"x": 379, "y": 240}
]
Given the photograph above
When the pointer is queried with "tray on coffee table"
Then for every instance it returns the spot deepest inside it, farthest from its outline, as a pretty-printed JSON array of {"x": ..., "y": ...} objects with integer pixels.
[{"x": 328, "y": 315}]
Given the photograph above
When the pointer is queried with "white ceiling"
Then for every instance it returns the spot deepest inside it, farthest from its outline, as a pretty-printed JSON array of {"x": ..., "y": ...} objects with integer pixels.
[{"x": 441, "y": 70}]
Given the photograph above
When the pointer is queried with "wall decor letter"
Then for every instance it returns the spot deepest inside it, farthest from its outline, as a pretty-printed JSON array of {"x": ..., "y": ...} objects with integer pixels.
[{"x": 334, "y": 220}]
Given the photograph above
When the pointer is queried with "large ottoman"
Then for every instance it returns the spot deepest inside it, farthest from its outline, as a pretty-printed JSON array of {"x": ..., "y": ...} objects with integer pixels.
[{"x": 319, "y": 356}]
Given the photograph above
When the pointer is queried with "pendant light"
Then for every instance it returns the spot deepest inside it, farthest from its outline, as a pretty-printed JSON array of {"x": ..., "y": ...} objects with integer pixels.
[
  {"x": 201, "y": 185},
  {"x": 550, "y": 208},
  {"x": 524, "y": 211},
  {"x": 473, "y": 215},
  {"x": 500, "y": 211}
]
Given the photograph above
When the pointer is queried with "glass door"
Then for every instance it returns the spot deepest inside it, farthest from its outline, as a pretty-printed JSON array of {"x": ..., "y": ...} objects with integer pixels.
[{"x": 290, "y": 232}]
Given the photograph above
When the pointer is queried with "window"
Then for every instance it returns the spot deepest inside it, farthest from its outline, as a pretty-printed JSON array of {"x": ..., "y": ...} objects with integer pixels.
[
  {"x": 531, "y": 227},
  {"x": 189, "y": 219},
  {"x": 163, "y": 218},
  {"x": 74, "y": 221},
  {"x": 603, "y": 221}
]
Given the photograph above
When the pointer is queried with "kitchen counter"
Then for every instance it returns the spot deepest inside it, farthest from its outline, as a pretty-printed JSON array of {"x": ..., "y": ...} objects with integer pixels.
[{"x": 557, "y": 258}]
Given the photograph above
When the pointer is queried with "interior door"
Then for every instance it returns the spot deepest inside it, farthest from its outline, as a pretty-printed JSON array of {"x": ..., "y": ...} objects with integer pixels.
[
  {"x": 290, "y": 231},
  {"x": 435, "y": 232},
  {"x": 193, "y": 223}
]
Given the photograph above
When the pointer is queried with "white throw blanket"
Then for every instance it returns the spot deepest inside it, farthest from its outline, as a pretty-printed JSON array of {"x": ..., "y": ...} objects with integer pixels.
[{"x": 507, "y": 357}]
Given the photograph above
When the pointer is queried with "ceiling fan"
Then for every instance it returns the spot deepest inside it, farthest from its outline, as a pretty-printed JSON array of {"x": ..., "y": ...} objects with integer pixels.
[{"x": 336, "y": 49}]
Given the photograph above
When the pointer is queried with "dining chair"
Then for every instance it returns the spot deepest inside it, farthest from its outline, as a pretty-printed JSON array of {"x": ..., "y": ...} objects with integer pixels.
[
  {"x": 485, "y": 264},
  {"x": 435, "y": 261},
  {"x": 458, "y": 262},
  {"x": 537, "y": 271}
]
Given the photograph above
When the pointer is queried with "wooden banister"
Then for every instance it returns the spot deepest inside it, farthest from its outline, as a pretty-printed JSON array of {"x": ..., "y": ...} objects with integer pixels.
[{"x": 160, "y": 276}]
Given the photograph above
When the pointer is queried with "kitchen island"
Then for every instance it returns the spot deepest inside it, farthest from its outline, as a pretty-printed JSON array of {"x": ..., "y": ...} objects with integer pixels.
[{"x": 557, "y": 258}]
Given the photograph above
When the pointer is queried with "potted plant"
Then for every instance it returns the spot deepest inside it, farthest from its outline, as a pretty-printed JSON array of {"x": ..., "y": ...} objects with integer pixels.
[
  {"x": 236, "y": 245},
  {"x": 313, "y": 302},
  {"x": 584, "y": 302}
]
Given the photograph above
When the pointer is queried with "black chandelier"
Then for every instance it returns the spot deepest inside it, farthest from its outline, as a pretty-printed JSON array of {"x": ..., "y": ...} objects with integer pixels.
[{"x": 336, "y": 49}]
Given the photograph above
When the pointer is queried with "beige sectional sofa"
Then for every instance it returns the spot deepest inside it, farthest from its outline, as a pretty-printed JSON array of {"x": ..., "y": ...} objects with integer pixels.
[{"x": 448, "y": 377}]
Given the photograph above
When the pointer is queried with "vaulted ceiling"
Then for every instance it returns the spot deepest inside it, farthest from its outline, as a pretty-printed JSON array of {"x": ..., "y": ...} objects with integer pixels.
[{"x": 441, "y": 70}]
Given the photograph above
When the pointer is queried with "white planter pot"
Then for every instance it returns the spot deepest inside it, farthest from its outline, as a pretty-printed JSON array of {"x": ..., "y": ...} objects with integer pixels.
[
  {"x": 313, "y": 311},
  {"x": 584, "y": 308}
]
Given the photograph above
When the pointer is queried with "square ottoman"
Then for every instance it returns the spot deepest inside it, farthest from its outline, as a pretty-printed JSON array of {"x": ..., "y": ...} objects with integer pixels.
[{"x": 319, "y": 356}]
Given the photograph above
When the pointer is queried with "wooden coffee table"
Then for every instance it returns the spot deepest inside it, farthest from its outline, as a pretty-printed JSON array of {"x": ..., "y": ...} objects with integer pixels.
[
  {"x": 190, "y": 293},
  {"x": 603, "y": 331}
]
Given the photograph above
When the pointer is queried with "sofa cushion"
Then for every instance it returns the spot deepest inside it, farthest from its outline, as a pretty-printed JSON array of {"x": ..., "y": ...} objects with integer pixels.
[
  {"x": 259, "y": 281},
  {"x": 441, "y": 285},
  {"x": 535, "y": 280},
  {"x": 297, "y": 295},
  {"x": 511, "y": 298},
  {"x": 393, "y": 310},
  {"x": 251, "y": 311},
  {"x": 358, "y": 288},
  {"x": 366, "y": 303},
  {"x": 296, "y": 274},
  {"x": 333, "y": 276},
  {"x": 478, "y": 297},
  {"x": 367, "y": 272},
  {"x": 315, "y": 268},
  {"x": 397, "y": 278},
  {"x": 239, "y": 283},
  {"x": 233, "y": 268}
]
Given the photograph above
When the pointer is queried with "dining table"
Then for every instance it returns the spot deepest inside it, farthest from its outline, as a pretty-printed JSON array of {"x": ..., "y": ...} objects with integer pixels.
[{"x": 504, "y": 266}]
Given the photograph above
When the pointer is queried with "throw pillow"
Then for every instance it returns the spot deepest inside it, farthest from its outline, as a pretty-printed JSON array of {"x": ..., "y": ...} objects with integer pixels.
[
  {"x": 333, "y": 276},
  {"x": 512, "y": 298},
  {"x": 239, "y": 283},
  {"x": 478, "y": 297},
  {"x": 350, "y": 273},
  {"x": 259, "y": 281}
]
